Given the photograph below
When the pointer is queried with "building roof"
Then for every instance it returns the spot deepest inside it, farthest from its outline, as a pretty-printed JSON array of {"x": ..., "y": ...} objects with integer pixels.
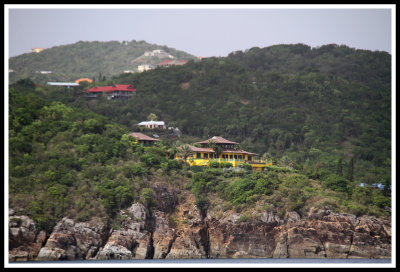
[
  {"x": 237, "y": 151},
  {"x": 114, "y": 88},
  {"x": 142, "y": 137},
  {"x": 144, "y": 123},
  {"x": 165, "y": 62},
  {"x": 84, "y": 79},
  {"x": 217, "y": 140},
  {"x": 172, "y": 62},
  {"x": 201, "y": 149},
  {"x": 62, "y": 83},
  {"x": 210, "y": 150}
]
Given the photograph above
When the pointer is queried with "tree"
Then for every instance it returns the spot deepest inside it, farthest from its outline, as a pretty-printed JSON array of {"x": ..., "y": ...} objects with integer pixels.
[
  {"x": 185, "y": 151},
  {"x": 152, "y": 117},
  {"x": 339, "y": 169},
  {"x": 337, "y": 183},
  {"x": 147, "y": 196},
  {"x": 214, "y": 146},
  {"x": 350, "y": 171}
]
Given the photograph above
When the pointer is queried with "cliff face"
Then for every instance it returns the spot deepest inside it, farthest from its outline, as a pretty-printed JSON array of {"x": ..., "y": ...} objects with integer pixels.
[{"x": 176, "y": 231}]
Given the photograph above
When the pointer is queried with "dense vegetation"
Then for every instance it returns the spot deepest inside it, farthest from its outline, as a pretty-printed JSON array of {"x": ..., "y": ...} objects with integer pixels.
[
  {"x": 67, "y": 162},
  {"x": 323, "y": 115},
  {"x": 306, "y": 108},
  {"x": 95, "y": 60}
]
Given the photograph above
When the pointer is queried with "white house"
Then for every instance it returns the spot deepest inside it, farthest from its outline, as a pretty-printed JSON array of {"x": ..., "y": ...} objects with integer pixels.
[
  {"x": 64, "y": 84},
  {"x": 144, "y": 67},
  {"x": 153, "y": 124}
]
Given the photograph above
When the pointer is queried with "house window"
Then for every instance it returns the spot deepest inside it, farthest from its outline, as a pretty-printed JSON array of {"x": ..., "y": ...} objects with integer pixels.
[
  {"x": 198, "y": 155},
  {"x": 231, "y": 156},
  {"x": 235, "y": 157},
  {"x": 206, "y": 155},
  {"x": 249, "y": 158}
]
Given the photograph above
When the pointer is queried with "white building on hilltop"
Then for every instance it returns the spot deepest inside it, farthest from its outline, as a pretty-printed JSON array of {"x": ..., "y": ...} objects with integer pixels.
[
  {"x": 153, "y": 124},
  {"x": 63, "y": 84}
]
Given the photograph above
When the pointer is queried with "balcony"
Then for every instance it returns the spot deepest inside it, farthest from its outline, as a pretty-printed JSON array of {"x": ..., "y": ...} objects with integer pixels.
[{"x": 235, "y": 162}]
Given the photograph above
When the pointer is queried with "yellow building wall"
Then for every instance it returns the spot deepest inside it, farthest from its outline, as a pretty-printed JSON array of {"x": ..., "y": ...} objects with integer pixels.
[{"x": 202, "y": 161}]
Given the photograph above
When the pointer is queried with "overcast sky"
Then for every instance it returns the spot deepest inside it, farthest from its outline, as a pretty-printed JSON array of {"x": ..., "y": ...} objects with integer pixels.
[{"x": 199, "y": 30}]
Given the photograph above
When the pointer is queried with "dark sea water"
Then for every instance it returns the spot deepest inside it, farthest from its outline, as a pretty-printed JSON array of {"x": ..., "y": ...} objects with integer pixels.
[{"x": 262, "y": 262}]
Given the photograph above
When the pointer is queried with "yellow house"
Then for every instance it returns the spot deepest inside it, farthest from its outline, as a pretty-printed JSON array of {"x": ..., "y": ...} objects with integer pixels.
[{"x": 229, "y": 153}]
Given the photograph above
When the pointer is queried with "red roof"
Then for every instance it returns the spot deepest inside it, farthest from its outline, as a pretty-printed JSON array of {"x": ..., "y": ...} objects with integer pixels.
[
  {"x": 210, "y": 150},
  {"x": 200, "y": 149},
  {"x": 217, "y": 140},
  {"x": 116, "y": 87},
  {"x": 237, "y": 151},
  {"x": 172, "y": 62},
  {"x": 142, "y": 137},
  {"x": 164, "y": 62}
]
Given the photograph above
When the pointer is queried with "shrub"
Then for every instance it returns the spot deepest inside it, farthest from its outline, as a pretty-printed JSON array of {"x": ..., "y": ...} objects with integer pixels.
[
  {"x": 246, "y": 166},
  {"x": 382, "y": 201},
  {"x": 214, "y": 164},
  {"x": 202, "y": 203},
  {"x": 150, "y": 160},
  {"x": 263, "y": 186},
  {"x": 296, "y": 201},
  {"x": 241, "y": 191},
  {"x": 137, "y": 170},
  {"x": 296, "y": 180},
  {"x": 171, "y": 165},
  {"x": 337, "y": 183},
  {"x": 226, "y": 165},
  {"x": 197, "y": 168},
  {"x": 355, "y": 209},
  {"x": 147, "y": 196}
]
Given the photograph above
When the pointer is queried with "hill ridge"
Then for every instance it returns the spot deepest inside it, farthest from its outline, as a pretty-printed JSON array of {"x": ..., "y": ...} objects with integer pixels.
[{"x": 85, "y": 59}]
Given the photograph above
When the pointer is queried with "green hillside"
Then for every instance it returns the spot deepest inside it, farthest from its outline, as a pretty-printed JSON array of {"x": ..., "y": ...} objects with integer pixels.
[
  {"x": 68, "y": 162},
  {"x": 86, "y": 60},
  {"x": 323, "y": 114},
  {"x": 296, "y": 106}
]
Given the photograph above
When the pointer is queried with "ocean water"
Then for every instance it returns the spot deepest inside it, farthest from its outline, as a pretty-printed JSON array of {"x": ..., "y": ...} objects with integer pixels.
[{"x": 256, "y": 262}]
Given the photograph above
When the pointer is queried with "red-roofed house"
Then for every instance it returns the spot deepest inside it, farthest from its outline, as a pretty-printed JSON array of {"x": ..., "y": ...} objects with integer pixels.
[
  {"x": 143, "y": 139},
  {"x": 112, "y": 92},
  {"x": 169, "y": 63}
]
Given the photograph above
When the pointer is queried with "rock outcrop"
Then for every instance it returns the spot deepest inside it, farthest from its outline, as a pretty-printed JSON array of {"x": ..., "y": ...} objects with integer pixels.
[
  {"x": 131, "y": 240},
  {"x": 70, "y": 240},
  {"x": 25, "y": 240},
  {"x": 182, "y": 231}
]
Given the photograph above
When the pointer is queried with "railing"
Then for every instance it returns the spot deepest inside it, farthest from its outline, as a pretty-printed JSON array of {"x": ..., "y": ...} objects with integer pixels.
[
  {"x": 229, "y": 160},
  {"x": 233, "y": 160}
]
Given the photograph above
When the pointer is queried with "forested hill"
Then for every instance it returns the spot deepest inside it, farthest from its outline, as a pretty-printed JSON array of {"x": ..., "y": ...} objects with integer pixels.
[
  {"x": 322, "y": 114},
  {"x": 363, "y": 66},
  {"x": 321, "y": 110},
  {"x": 87, "y": 60}
]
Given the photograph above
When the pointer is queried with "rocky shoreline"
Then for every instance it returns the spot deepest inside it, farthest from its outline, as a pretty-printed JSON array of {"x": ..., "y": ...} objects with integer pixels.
[{"x": 186, "y": 233}]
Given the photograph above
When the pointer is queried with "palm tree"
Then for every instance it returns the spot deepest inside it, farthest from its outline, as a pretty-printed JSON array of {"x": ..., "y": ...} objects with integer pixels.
[
  {"x": 152, "y": 117},
  {"x": 214, "y": 146},
  {"x": 174, "y": 149},
  {"x": 185, "y": 151}
]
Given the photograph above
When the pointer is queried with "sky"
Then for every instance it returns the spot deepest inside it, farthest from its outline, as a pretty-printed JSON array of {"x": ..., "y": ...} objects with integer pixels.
[{"x": 200, "y": 30}]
